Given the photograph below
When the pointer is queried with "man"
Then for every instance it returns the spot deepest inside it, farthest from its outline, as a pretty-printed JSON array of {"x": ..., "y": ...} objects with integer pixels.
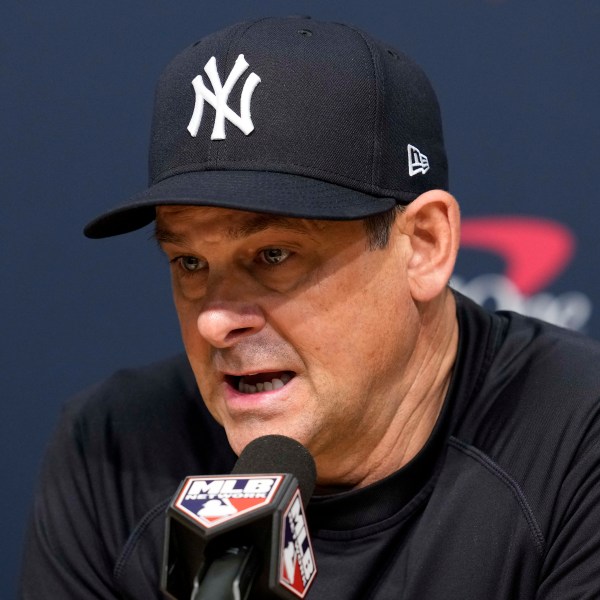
[{"x": 298, "y": 185}]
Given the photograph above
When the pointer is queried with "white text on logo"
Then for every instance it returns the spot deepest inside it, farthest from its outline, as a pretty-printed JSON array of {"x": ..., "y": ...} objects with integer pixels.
[
  {"x": 227, "y": 488},
  {"x": 302, "y": 546}
]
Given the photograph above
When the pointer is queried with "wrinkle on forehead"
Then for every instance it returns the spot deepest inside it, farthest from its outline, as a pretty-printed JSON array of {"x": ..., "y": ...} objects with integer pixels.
[
  {"x": 258, "y": 222},
  {"x": 242, "y": 224}
]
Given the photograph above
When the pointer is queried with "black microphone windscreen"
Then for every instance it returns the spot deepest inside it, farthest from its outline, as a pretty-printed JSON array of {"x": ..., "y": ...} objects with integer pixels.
[{"x": 279, "y": 454}]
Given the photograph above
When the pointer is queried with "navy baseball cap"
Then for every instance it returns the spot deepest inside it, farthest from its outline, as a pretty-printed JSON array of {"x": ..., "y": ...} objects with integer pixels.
[{"x": 289, "y": 116}]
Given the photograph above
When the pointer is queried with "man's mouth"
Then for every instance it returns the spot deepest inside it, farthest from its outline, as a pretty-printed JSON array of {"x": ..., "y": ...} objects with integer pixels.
[{"x": 260, "y": 382}]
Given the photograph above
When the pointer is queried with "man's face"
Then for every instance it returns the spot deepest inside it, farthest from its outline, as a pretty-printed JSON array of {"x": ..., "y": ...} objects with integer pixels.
[{"x": 293, "y": 326}]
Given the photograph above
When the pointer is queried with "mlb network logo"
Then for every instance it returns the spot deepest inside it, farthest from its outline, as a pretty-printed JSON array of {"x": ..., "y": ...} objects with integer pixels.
[
  {"x": 298, "y": 567},
  {"x": 214, "y": 500}
]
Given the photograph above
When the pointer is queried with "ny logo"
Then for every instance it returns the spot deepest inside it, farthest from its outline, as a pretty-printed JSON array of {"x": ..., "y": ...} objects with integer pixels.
[{"x": 218, "y": 99}]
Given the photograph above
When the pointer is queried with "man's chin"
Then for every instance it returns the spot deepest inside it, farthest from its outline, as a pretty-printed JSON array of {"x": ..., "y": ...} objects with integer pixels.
[{"x": 240, "y": 437}]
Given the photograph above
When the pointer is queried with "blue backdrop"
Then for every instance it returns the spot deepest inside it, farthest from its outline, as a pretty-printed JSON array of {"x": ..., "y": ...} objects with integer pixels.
[{"x": 519, "y": 88}]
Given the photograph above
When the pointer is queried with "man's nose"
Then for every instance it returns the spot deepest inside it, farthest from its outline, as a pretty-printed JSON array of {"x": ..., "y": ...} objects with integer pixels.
[{"x": 223, "y": 321}]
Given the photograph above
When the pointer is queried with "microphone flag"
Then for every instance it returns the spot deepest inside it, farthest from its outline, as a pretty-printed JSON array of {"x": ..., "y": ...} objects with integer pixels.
[{"x": 259, "y": 517}]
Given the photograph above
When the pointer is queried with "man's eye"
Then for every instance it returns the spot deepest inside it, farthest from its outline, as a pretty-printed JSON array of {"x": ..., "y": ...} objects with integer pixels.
[
  {"x": 190, "y": 264},
  {"x": 273, "y": 256}
]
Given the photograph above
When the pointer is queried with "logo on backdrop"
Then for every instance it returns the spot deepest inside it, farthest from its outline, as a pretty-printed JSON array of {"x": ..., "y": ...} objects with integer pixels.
[
  {"x": 535, "y": 251},
  {"x": 218, "y": 99},
  {"x": 297, "y": 561},
  {"x": 214, "y": 500}
]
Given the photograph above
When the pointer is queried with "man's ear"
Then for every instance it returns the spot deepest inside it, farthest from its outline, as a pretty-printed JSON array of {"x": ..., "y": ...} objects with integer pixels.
[{"x": 432, "y": 222}]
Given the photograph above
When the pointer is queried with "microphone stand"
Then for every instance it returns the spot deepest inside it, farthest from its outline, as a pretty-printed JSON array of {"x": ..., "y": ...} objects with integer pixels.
[{"x": 228, "y": 577}]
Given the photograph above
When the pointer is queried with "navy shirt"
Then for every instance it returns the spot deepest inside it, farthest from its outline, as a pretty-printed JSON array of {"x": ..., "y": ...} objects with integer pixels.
[{"x": 503, "y": 501}]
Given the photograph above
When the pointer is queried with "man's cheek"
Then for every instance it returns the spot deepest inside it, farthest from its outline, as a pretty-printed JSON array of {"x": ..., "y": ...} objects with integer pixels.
[
  {"x": 209, "y": 395},
  {"x": 188, "y": 323}
]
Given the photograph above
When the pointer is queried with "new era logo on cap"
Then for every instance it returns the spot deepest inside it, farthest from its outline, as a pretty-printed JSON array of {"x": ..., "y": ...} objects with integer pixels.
[{"x": 417, "y": 161}]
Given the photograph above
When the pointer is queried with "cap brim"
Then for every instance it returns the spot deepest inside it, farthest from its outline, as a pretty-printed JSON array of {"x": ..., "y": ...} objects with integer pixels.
[{"x": 257, "y": 191}]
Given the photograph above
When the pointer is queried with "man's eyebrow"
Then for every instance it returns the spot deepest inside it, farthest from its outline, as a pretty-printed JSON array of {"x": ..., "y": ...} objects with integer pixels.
[
  {"x": 260, "y": 222},
  {"x": 254, "y": 224},
  {"x": 164, "y": 236}
]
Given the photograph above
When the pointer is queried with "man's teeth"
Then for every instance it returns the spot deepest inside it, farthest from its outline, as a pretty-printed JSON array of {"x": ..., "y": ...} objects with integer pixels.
[{"x": 266, "y": 386}]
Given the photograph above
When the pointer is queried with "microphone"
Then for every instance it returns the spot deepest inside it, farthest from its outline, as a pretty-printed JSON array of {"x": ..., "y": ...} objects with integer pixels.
[{"x": 243, "y": 536}]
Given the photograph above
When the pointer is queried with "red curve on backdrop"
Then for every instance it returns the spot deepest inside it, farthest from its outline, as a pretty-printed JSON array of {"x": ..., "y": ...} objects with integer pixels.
[{"x": 535, "y": 250}]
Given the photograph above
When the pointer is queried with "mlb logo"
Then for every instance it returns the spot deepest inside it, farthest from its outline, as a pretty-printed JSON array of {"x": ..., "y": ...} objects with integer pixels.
[
  {"x": 211, "y": 501},
  {"x": 296, "y": 558}
]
